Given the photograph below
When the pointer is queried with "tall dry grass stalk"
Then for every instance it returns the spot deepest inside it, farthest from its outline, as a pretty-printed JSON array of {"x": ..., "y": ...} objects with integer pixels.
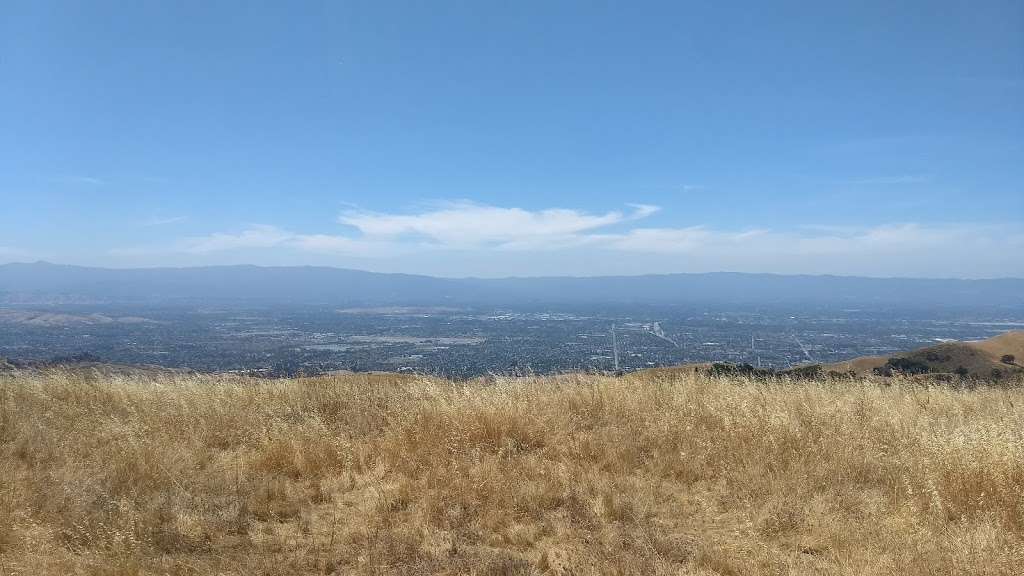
[{"x": 654, "y": 474}]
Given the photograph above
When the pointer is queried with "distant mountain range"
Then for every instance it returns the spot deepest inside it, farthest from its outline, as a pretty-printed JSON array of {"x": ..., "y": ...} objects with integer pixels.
[{"x": 44, "y": 282}]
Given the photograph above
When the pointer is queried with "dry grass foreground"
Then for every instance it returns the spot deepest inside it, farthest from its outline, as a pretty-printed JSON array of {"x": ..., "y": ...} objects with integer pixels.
[{"x": 566, "y": 475}]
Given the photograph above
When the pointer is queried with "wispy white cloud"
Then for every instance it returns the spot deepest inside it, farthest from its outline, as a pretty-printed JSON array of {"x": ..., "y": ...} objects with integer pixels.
[
  {"x": 896, "y": 179},
  {"x": 256, "y": 236},
  {"x": 262, "y": 236},
  {"x": 79, "y": 179},
  {"x": 334, "y": 244},
  {"x": 164, "y": 221},
  {"x": 455, "y": 226},
  {"x": 889, "y": 239},
  {"x": 469, "y": 225},
  {"x": 676, "y": 240},
  {"x": 466, "y": 231},
  {"x": 898, "y": 249}
]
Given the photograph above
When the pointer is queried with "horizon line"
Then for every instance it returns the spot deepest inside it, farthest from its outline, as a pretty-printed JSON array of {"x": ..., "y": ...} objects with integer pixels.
[{"x": 539, "y": 277}]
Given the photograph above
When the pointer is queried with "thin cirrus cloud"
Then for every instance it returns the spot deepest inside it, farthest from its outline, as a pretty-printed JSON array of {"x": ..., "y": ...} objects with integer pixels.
[
  {"x": 261, "y": 236},
  {"x": 896, "y": 179},
  {"x": 466, "y": 227},
  {"x": 256, "y": 236},
  {"x": 164, "y": 221},
  {"x": 459, "y": 226},
  {"x": 79, "y": 179},
  {"x": 891, "y": 239}
]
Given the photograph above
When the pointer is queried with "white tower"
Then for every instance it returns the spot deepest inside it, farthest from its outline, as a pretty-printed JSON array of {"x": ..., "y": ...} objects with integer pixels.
[{"x": 615, "y": 348}]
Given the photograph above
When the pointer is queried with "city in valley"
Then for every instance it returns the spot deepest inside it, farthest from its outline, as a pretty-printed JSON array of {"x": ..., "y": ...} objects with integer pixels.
[{"x": 468, "y": 342}]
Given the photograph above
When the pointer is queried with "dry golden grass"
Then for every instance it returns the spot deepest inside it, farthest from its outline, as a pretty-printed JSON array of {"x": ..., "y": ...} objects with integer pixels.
[
  {"x": 670, "y": 474},
  {"x": 981, "y": 359}
]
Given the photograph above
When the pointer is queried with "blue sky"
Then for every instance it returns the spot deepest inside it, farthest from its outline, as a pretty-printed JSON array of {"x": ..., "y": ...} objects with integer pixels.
[{"x": 486, "y": 138}]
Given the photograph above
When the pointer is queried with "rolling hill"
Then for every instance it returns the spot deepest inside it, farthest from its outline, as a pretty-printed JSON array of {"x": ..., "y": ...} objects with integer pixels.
[
  {"x": 981, "y": 360},
  {"x": 997, "y": 359}
]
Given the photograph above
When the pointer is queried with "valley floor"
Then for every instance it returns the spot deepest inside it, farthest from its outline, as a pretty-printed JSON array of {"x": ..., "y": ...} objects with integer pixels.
[{"x": 379, "y": 474}]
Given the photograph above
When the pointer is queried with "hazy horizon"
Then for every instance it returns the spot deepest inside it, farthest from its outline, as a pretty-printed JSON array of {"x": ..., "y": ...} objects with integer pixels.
[{"x": 499, "y": 277}]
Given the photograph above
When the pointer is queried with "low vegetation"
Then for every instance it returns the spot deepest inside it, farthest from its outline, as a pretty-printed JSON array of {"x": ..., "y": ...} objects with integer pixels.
[
  {"x": 669, "y": 473},
  {"x": 964, "y": 363}
]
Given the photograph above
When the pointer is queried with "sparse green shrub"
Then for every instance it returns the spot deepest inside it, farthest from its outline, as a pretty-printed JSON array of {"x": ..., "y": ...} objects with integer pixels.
[
  {"x": 837, "y": 375},
  {"x": 808, "y": 372},
  {"x": 907, "y": 366},
  {"x": 745, "y": 369}
]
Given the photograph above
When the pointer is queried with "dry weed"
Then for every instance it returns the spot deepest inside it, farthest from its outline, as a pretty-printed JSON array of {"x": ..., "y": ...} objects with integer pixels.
[{"x": 649, "y": 474}]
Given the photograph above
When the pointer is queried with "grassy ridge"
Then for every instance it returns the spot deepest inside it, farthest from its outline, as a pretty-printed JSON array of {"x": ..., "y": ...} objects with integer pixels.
[{"x": 656, "y": 474}]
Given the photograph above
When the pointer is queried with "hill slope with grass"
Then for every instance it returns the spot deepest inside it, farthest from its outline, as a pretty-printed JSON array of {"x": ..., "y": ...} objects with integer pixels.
[
  {"x": 383, "y": 474},
  {"x": 995, "y": 359}
]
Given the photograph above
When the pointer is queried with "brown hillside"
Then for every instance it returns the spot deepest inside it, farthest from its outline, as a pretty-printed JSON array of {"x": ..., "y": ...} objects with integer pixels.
[
  {"x": 1008, "y": 343},
  {"x": 670, "y": 371},
  {"x": 981, "y": 359}
]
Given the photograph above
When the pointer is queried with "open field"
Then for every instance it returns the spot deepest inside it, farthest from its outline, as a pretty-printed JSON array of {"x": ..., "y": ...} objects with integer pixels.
[{"x": 380, "y": 474}]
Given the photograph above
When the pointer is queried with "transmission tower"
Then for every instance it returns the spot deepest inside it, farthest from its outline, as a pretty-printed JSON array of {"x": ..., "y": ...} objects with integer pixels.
[{"x": 615, "y": 349}]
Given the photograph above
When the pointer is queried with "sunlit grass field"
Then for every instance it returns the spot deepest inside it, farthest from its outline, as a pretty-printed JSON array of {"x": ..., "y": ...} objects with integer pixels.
[{"x": 374, "y": 474}]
